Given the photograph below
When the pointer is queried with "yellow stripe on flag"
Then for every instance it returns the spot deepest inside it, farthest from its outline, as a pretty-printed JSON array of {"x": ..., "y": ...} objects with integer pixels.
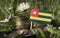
[
  {"x": 45, "y": 14},
  {"x": 40, "y": 19}
]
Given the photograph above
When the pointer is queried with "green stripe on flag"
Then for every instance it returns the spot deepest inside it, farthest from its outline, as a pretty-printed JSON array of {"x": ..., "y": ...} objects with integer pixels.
[
  {"x": 44, "y": 17},
  {"x": 46, "y": 11}
]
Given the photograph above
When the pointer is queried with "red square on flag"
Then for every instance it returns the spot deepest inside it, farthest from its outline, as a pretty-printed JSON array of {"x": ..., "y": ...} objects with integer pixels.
[{"x": 34, "y": 12}]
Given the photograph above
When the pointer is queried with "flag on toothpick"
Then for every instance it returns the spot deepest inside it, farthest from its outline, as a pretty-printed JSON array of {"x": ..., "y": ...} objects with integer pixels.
[{"x": 42, "y": 16}]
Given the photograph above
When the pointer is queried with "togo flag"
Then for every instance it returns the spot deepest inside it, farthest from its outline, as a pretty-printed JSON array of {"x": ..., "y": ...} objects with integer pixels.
[{"x": 40, "y": 16}]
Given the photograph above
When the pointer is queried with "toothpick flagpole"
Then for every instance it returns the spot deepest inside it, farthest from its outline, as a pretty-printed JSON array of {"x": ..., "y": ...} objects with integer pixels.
[{"x": 31, "y": 25}]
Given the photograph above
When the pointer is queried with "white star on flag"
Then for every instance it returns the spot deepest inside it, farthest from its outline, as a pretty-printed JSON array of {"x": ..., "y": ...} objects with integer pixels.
[{"x": 34, "y": 12}]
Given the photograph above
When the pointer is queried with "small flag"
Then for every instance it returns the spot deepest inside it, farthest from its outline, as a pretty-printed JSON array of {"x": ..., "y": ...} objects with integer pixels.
[{"x": 42, "y": 16}]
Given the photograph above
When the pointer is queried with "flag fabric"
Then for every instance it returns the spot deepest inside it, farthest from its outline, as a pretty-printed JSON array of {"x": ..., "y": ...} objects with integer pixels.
[{"x": 40, "y": 16}]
